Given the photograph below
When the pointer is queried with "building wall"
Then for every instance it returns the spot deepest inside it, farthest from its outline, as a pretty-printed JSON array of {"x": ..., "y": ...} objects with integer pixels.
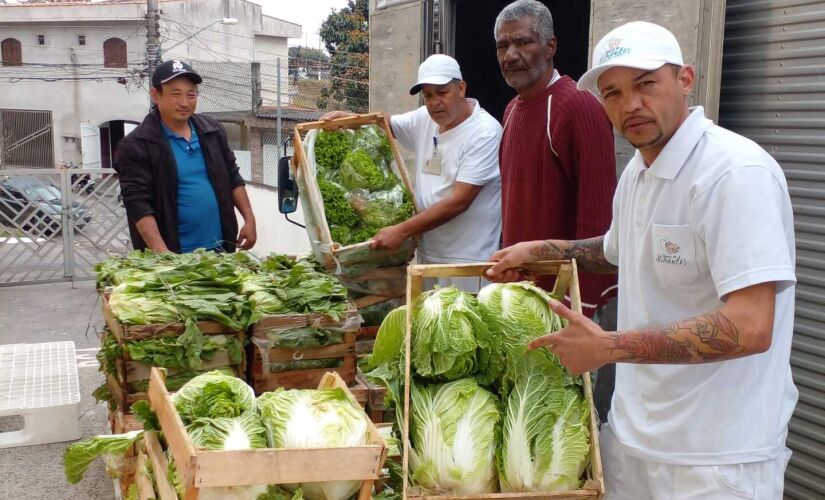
[
  {"x": 96, "y": 102},
  {"x": 74, "y": 102},
  {"x": 395, "y": 53}
]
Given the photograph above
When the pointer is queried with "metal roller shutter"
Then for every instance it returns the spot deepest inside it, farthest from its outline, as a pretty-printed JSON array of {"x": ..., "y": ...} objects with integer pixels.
[{"x": 773, "y": 91}]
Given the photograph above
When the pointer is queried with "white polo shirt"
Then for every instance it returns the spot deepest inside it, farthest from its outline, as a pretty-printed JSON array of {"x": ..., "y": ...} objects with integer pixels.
[
  {"x": 468, "y": 153},
  {"x": 710, "y": 216}
]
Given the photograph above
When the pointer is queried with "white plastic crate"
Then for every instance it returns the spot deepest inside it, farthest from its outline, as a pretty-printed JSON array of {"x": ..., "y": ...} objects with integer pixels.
[{"x": 39, "y": 382}]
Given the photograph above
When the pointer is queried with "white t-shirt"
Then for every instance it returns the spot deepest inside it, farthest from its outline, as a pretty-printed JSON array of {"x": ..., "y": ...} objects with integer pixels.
[
  {"x": 710, "y": 216},
  {"x": 468, "y": 153}
]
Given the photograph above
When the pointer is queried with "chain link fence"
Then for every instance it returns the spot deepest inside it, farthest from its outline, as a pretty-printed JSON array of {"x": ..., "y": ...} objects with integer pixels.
[{"x": 279, "y": 94}]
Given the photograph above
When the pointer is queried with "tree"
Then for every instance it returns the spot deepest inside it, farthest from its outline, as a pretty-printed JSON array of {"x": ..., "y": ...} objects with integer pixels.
[{"x": 345, "y": 34}]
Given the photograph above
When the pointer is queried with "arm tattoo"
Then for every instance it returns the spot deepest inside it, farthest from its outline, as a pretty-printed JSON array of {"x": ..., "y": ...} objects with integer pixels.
[
  {"x": 711, "y": 337},
  {"x": 589, "y": 254}
]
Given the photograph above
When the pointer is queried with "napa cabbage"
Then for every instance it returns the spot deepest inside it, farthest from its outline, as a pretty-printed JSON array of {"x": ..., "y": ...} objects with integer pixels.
[
  {"x": 213, "y": 395},
  {"x": 322, "y": 418},
  {"x": 450, "y": 339},
  {"x": 454, "y": 432},
  {"x": 518, "y": 312},
  {"x": 545, "y": 434}
]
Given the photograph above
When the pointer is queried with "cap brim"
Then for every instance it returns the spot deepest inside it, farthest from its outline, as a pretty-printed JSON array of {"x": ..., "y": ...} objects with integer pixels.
[
  {"x": 194, "y": 77},
  {"x": 434, "y": 80},
  {"x": 589, "y": 80}
]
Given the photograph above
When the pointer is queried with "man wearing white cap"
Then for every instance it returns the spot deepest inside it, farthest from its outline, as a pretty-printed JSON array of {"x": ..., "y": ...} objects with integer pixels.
[
  {"x": 702, "y": 236},
  {"x": 457, "y": 181}
]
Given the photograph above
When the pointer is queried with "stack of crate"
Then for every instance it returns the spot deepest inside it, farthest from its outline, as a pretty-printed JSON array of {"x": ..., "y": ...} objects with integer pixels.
[
  {"x": 277, "y": 361},
  {"x": 128, "y": 384}
]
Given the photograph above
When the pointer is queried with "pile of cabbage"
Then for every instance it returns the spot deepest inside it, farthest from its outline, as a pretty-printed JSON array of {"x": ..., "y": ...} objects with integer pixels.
[
  {"x": 486, "y": 415},
  {"x": 220, "y": 412},
  {"x": 360, "y": 190}
]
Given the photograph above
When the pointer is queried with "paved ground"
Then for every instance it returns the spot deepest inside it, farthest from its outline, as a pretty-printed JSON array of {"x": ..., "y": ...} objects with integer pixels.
[{"x": 47, "y": 313}]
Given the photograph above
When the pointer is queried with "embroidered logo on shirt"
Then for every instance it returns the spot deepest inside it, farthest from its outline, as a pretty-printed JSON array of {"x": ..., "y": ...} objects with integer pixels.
[
  {"x": 614, "y": 50},
  {"x": 670, "y": 254}
]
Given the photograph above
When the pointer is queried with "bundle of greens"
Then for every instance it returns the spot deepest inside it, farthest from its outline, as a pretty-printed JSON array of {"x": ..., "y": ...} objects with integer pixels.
[
  {"x": 360, "y": 190},
  {"x": 296, "y": 287}
]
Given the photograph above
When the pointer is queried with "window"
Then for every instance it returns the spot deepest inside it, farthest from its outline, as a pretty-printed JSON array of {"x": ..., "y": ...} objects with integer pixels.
[
  {"x": 12, "y": 52},
  {"x": 41, "y": 39},
  {"x": 81, "y": 39},
  {"x": 114, "y": 53}
]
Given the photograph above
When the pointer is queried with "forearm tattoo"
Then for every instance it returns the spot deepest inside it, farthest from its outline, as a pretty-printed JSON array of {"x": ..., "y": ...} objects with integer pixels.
[
  {"x": 712, "y": 337},
  {"x": 589, "y": 254}
]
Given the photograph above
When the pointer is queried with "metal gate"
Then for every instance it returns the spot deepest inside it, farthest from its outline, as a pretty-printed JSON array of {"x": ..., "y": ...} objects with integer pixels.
[
  {"x": 56, "y": 224},
  {"x": 773, "y": 91},
  {"x": 26, "y": 138}
]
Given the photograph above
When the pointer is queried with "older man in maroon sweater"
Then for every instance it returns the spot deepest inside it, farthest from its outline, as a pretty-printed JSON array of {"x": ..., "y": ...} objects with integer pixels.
[{"x": 558, "y": 167}]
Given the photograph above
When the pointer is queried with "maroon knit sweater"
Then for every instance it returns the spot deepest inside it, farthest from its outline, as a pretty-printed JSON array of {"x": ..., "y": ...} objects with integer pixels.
[{"x": 562, "y": 190}]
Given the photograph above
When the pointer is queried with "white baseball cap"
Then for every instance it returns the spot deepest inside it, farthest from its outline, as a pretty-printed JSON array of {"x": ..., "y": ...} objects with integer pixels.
[
  {"x": 437, "y": 69},
  {"x": 639, "y": 44}
]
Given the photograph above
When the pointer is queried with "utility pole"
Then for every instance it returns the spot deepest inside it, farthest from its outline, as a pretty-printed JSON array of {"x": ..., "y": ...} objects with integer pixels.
[{"x": 152, "y": 35}]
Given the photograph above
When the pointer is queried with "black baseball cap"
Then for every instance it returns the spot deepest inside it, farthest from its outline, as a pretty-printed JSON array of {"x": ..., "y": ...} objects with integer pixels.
[{"x": 172, "y": 69}]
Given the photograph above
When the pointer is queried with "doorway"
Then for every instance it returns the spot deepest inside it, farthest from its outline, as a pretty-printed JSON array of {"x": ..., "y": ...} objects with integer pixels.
[{"x": 475, "y": 48}]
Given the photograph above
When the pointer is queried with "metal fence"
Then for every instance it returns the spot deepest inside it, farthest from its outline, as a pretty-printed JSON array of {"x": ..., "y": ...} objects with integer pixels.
[
  {"x": 56, "y": 224},
  {"x": 280, "y": 93}
]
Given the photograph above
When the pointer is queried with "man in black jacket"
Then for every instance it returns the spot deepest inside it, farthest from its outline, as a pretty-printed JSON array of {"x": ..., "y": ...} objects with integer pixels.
[{"x": 178, "y": 177}]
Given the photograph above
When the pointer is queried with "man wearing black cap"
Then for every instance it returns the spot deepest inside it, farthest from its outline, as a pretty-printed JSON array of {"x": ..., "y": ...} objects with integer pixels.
[{"x": 178, "y": 177}]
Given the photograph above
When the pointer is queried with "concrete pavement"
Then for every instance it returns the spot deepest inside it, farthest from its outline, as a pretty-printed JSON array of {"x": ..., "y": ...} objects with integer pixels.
[{"x": 48, "y": 313}]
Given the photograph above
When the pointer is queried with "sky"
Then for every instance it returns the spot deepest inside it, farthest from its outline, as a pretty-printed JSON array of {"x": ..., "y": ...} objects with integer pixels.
[{"x": 308, "y": 13}]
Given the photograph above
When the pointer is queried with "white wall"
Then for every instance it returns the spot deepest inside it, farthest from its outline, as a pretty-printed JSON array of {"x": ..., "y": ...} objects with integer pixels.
[{"x": 275, "y": 233}]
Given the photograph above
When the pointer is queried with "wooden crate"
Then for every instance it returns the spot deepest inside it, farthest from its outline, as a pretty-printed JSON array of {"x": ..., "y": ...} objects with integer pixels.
[
  {"x": 125, "y": 333},
  {"x": 129, "y": 370},
  {"x": 200, "y": 468},
  {"x": 350, "y": 260},
  {"x": 122, "y": 422},
  {"x": 376, "y": 405},
  {"x": 566, "y": 282},
  {"x": 263, "y": 381}
]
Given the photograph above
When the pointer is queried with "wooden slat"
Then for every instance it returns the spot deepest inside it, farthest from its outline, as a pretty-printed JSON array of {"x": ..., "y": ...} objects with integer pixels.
[
  {"x": 160, "y": 466},
  {"x": 298, "y": 379},
  {"x": 269, "y": 322},
  {"x": 369, "y": 300},
  {"x": 415, "y": 286},
  {"x": 143, "y": 483},
  {"x": 135, "y": 370},
  {"x": 559, "y": 495},
  {"x": 346, "y": 122},
  {"x": 330, "y": 351},
  {"x": 271, "y": 466},
  {"x": 479, "y": 270},
  {"x": 173, "y": 430}
]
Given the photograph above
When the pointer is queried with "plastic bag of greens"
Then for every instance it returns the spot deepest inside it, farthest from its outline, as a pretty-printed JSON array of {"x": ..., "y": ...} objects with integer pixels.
[{"x": 382, "y": 208}]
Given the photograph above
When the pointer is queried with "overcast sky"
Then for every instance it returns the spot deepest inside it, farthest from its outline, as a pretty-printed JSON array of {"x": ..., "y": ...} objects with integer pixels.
[{"x": 308, "y": 13}]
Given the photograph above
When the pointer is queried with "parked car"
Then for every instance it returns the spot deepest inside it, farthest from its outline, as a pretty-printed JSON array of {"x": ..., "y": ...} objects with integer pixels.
[{"x": 36, "y": 206}]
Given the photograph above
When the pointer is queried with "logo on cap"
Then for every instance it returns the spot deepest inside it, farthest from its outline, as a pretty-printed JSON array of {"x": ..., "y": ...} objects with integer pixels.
[
  {"x": 613, "y": 50},
  {"x": 177, "y": 65}
]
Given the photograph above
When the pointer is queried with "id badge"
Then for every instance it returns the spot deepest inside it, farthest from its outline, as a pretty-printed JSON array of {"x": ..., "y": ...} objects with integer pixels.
[{"x": 433, "y": 165}]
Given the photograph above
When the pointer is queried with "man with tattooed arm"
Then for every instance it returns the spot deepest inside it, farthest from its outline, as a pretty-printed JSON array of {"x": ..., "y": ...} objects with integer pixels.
[{"x": 702, "y": 239}]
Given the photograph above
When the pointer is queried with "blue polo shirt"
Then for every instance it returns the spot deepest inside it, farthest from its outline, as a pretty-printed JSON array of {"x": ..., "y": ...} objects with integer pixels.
[{"x": 199, "y": 219}]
